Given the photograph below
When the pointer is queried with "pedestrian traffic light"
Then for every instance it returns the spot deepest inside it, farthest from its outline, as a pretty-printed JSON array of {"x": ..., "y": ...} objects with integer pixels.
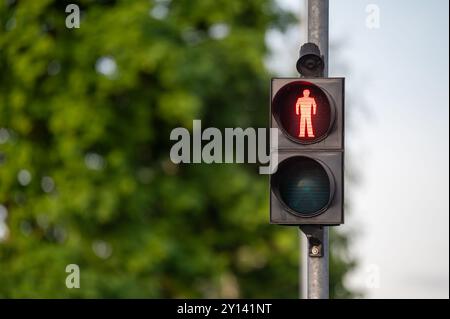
[{"x": 307, "y": 187}]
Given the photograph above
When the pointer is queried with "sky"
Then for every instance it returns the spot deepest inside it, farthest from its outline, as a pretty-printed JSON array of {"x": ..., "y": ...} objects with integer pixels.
[{"x": 397, "y": 138}]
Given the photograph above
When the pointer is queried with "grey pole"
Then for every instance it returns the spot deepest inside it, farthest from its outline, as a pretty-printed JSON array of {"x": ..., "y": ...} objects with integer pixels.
[
  {"x": 318, "y": 27},
  {"x": 303, "y": 261},
  {"x": 318, "y": 267},
  {"x": 303, "y": 273}
]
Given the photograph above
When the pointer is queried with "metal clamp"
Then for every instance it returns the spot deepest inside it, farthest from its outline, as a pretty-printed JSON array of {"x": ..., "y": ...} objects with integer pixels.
[{"x": 315, "y": 236}]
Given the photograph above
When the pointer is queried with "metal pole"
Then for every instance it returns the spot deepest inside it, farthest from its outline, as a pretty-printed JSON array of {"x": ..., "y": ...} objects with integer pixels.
[
  {"x": 303, "y": 273},
  {"x": 318, "y": 267},
  {"x": 303, "y": 261},
  {"x": 318, "y": 27},
  {"x": 317, "y": 255}
]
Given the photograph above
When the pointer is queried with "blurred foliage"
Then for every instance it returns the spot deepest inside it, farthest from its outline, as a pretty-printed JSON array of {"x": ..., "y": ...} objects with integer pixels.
[{"x": 85, "y": 178}]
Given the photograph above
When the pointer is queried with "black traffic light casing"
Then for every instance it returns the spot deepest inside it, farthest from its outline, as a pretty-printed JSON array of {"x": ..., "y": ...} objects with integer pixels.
[{"x": 308, "y": 186}]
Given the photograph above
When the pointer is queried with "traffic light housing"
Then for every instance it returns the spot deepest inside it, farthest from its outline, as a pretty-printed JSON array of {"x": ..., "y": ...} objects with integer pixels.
[{"x": 307, "y": 187}]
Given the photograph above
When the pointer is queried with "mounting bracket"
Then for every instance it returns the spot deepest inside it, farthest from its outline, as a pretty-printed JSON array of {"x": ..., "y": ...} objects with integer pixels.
[{"x": 314, "y": 234}]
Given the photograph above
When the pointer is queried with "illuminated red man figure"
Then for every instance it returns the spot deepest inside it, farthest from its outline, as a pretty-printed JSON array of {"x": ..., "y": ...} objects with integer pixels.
[{"x": 303, "y": 108}]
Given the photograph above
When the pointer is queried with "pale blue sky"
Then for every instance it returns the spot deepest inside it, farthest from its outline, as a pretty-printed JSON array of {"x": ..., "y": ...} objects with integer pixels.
[{"x": 398, "y": 101}]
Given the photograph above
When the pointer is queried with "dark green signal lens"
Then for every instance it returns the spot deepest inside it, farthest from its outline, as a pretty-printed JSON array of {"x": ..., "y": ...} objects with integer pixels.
[{"x": 303, "y": 185}]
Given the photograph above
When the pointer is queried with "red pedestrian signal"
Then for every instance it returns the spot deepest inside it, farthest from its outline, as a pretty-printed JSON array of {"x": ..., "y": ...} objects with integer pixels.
[{"x": 303, "y": 111}]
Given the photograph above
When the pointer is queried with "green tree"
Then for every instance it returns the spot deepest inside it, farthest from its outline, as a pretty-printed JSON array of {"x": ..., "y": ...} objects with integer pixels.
[{"x": 85, "y": 174}]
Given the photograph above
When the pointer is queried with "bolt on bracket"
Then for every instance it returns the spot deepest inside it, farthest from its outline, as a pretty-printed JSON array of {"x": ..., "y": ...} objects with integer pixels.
[{"x": 314, "y": 234}]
